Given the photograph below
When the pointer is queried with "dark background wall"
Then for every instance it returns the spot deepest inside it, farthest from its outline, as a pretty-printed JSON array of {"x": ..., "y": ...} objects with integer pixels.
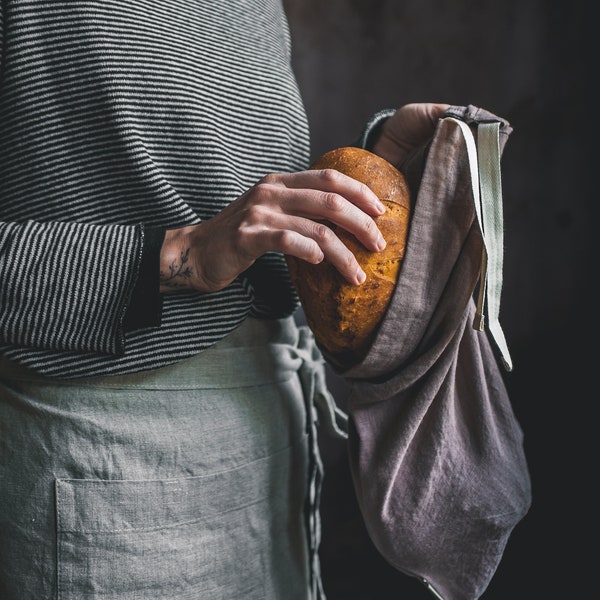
[{"x": 528, "y": 61}]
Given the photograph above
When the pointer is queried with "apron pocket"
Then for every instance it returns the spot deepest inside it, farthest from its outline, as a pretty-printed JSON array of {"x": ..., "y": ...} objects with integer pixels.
[{"x": 203, "y": 537}]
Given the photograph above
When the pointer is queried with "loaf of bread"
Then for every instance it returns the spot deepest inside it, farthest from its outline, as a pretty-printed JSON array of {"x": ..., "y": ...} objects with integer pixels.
[{"x": 344, "y": 317}]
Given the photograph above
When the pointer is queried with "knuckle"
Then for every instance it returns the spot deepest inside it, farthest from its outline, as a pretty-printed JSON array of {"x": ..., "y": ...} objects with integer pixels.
[
  {"x": 269, "y": 179},
  {"x": 263, "y": 187},
  {"x": 369, "y": 226},
  {"x": 303, "y": 247},
  {"x": 333, "y": 202},
  {"x": 322, "y": 234},
  {"x": 331, "y": 175},
  {"x": 364, "y": 189},
  {"x": 345, "y": 263},
  {"x": 242, "y": 236},
  {"x": 253, "y": 214},
  {"x": 348, "y": 261},
  {"x": 265, "y": 192},
  {"x": 267, "y": 188},
  {"x": 284, "y": 240}
]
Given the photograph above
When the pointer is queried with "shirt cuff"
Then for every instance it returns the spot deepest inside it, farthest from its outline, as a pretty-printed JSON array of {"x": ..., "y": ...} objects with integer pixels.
[{"x": 145, "y": 304}]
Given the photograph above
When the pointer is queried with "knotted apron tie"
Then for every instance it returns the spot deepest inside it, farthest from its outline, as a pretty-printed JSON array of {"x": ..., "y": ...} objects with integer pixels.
[{"x": 321, "y": 411}]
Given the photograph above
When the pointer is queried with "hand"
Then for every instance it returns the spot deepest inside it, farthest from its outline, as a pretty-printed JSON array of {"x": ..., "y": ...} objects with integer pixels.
[
  {"x": 281, "y": 213},
  {"x": 407, "y": 128}
]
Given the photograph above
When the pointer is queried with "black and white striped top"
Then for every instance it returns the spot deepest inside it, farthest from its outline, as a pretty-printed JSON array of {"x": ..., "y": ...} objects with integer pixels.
[{"x": 115, "y": 116}]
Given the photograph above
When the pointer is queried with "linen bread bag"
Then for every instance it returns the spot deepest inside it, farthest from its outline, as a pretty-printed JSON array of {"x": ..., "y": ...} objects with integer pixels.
[{"x": 435, "y": 450}]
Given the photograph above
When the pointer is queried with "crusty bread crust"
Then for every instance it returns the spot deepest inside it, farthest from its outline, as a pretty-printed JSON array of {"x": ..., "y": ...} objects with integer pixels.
[{"x": 344, "y": 317}]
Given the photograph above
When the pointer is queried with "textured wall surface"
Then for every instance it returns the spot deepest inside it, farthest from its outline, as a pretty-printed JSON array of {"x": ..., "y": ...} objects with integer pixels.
[{"x": 527, "y": 61}]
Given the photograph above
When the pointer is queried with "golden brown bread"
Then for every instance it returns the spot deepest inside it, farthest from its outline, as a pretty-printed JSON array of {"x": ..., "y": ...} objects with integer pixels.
[{"x": 342, "y": 316}]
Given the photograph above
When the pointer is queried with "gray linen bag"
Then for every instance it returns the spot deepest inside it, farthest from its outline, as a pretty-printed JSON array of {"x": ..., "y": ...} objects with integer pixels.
[{"x": 436, "y": 452}]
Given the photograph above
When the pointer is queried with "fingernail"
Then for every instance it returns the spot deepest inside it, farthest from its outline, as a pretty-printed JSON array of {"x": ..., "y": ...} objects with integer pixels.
[
  {"x": 380, "y": 207},
  {"x": 360, "y": 276},
  {"x": 381, "y": 243}
]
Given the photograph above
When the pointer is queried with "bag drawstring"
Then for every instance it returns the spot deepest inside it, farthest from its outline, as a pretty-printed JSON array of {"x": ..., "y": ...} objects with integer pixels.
[{"x": 486, "y": 183}]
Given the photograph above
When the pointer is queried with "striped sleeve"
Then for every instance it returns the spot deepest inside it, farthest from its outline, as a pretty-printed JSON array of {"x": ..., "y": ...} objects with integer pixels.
[
  {"x": 372, "y": 128},
  {"x": 1, "y": 38},
  {"x": 120, "y": 115},
  {"x": 65, "y": 286}
]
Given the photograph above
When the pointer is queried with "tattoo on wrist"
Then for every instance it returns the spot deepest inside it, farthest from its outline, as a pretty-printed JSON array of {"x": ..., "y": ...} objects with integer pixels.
[{"x": 179, "y": 272}]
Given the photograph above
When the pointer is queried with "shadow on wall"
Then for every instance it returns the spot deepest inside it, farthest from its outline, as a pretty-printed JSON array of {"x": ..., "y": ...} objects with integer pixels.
[{"x": 524, "y": 60}]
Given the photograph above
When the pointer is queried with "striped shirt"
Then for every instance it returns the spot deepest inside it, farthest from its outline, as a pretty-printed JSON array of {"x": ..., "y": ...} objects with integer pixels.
[{"x": 117, "y": 116}]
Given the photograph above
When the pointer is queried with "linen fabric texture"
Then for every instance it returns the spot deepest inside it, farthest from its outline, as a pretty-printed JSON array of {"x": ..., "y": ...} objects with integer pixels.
[
  {"x": 436, "y": 451},
  {"x": 178, "y": 483}
]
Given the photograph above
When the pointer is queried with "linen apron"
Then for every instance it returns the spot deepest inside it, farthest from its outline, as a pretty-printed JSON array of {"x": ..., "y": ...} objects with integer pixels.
[{"x": 197, "y": 481}]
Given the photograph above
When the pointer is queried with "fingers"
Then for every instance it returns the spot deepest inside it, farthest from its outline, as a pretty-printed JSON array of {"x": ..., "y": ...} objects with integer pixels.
[
  {"x": 410, "y": 126},
  {"x": 288, "y": 213},
  {"x": 306, "y": 239},
  {"x": 330, "y": 180},
  {"x": 418, "y": 121},
  {"x": 328, "y": 195}
]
